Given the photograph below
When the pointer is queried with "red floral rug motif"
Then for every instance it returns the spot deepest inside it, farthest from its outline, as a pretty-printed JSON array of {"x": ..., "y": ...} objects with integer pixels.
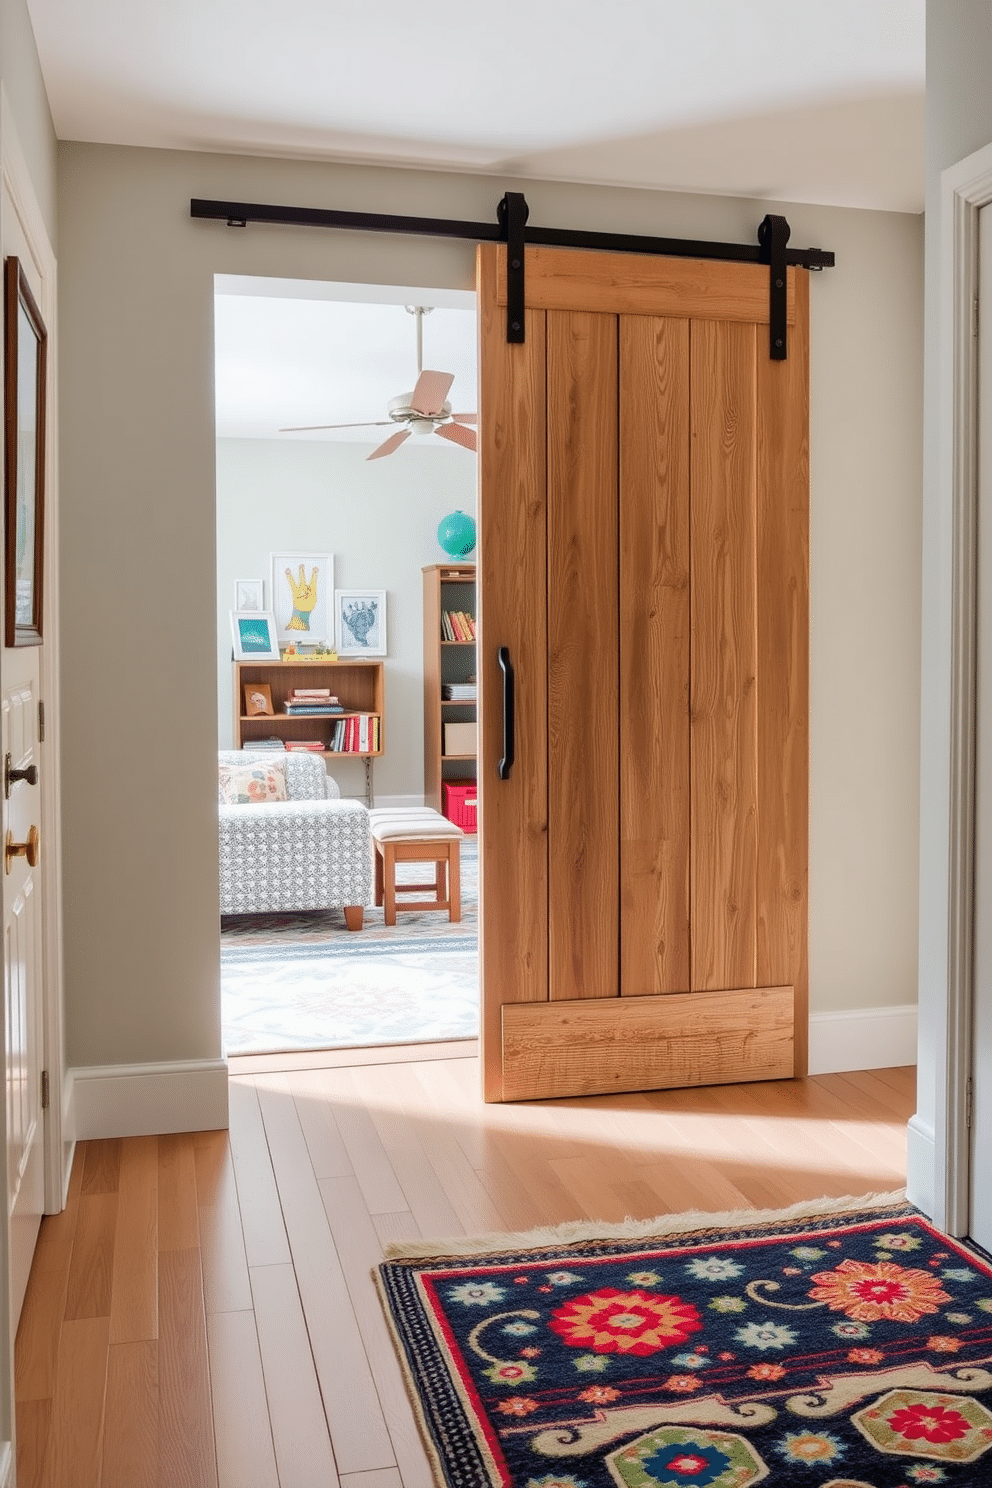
[{"x": 845, "y": 1349}]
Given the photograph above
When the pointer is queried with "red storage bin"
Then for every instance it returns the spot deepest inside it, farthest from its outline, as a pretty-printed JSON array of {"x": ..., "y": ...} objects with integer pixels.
[{"x": 459, "y": 803}]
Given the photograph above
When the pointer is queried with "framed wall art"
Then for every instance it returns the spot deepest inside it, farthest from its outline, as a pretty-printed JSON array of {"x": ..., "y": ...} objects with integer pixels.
[
  {"x": 249, "y": 594},
  {"x": 254, "y": 635},
  {"x": 24, "y": 373},
  {"x": 360, "y": 622},
  {"x": 302, "y": 590}
]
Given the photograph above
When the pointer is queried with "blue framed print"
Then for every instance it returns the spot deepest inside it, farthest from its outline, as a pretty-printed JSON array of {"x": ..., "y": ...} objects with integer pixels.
[{"x": 254, "y": 635}]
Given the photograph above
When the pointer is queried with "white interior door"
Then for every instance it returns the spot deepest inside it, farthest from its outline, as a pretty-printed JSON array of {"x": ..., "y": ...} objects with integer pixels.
[
  {"x": 981, "y": 1133},
  {"x": 22, "y": 890}
]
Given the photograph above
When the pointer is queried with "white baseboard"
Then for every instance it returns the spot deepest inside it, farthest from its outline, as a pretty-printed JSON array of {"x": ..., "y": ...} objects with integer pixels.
[
  {"x": 862, "y": 1038},
  {"x": 389, "y": 802},
  {"x": 6, "y": 1466},
  {"x": 137, "y": 1100},
  {"x": 921, "y": 1166}
]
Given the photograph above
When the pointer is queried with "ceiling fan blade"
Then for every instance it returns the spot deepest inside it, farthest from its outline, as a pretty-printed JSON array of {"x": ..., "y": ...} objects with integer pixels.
[
  {"x": 306, "y": 428},
  {"x": 458, "y": 435},
  {"x": 431, "y": 391},
  {"x": 465, "y": 418},
  {"x": 393, "y": 442}
]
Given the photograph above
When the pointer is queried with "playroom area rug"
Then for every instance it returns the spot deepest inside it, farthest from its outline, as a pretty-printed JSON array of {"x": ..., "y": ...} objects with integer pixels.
[
  {"x": 842, "y": 1345},
  {"x": 304, "y": 981}
]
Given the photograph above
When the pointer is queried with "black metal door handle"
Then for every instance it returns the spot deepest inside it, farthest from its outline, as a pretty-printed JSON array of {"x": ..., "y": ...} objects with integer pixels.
[{"x": 506, "y": 763}]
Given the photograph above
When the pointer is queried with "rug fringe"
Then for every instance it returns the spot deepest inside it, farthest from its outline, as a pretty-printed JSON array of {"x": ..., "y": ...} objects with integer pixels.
[{"x": 661, "y": 1227}]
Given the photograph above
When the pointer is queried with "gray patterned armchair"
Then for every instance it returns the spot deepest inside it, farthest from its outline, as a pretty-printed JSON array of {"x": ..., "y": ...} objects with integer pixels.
[{"x": 310, "y": 851}]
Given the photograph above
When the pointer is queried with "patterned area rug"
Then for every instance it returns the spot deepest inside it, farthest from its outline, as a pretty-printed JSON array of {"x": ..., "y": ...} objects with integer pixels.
[
  {"x": 843, "y": 1345},
  {"x": 304, "y": 981}
]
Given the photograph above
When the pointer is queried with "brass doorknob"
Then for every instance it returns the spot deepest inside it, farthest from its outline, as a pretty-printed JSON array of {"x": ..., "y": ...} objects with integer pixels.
[{"x": 27, "y": 849}]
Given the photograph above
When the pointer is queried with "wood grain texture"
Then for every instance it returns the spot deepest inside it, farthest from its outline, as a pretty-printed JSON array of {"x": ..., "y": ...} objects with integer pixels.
[
  {"x": 134, "y": 1284},
  {"x": 258, "y": 1198},
  {"x": 783, "y": 667},
  {"x": 91, "y": 1270},
  {"x": 346, "y": 1384},
  {"x": 36, "y": 1349},
  {"x": 33, "y": 1421},
  {"x": 512, "y": 612},
  {"x": 186, "y": 1457},
  {"x": 360, "y": 1250},
  {"x": 724, "y": 663},
  {"x": 177, "y": 1205},
  {"x": 222, "y": 1245},
  {"x": 130, "y": 1438},
  {"x": 583, "y": 644},
  {"x": 637, "y": 284},
  {"x": 75, "y": 1435},
  {"x": 654, "y": 655},
  {"x": 647, "y": 1043},
  {"x": 299, "y": 1426},
  {"x": 245, "y": 1454},
  {"x": 101, "y": 1166}
]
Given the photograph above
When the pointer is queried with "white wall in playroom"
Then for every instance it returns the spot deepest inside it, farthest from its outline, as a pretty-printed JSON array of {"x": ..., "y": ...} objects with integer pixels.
[{"x": 380, "y": 522}]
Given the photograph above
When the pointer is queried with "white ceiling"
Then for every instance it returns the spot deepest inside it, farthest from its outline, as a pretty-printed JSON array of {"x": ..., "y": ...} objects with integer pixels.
[
  {"x": 765, "y": 98},
  {"x": 297, "y": 352}
]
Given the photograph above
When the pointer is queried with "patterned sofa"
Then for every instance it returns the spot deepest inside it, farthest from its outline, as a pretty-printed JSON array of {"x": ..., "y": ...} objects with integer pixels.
[{"x": 311, "y": 851}]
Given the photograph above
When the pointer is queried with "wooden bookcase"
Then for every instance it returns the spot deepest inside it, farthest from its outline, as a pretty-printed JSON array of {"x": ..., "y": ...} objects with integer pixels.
[
  {"x": 447, "y": 586},
  {"x": 357, "y": 684}
]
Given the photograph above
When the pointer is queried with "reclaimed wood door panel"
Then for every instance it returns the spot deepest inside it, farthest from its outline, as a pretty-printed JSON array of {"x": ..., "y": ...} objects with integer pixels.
[
  {"x": 782, "y": 558},
  {"x": 643, "y": 553},
  {"x": 724, "y": 655},
  {"x": 512, "y": 612},
  {"x": 654, "y": 655},
  {"x": 560, "y": 1049},
  {"x": 638, "y": 284},
  {"x": 583, "y": 639}
]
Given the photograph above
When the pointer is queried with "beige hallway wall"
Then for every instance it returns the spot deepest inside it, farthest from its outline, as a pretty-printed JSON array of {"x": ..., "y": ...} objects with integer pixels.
[{"x": 138, "y": 555}]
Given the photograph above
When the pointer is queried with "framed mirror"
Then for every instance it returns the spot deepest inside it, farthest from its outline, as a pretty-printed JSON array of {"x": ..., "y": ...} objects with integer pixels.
[{"x": 25, "y": 354}]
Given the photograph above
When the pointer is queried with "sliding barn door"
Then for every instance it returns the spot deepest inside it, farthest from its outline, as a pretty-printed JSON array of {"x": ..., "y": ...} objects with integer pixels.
[{"x": 643, "y": 561}]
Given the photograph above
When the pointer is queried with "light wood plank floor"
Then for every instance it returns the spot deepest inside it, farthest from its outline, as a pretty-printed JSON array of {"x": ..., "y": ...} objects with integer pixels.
[{"x": 201, "y": 1315}]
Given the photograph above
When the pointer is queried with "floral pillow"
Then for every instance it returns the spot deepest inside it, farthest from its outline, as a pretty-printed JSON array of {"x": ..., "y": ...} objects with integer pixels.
[{"x": 251, "y": 785}]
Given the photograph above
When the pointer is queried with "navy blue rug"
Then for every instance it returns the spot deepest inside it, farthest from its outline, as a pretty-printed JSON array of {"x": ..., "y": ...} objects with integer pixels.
[{"x": 840, "y": 1349}]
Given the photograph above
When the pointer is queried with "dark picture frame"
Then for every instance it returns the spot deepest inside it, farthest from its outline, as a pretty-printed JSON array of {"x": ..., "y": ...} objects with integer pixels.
[{"x": 24, "y": 382}]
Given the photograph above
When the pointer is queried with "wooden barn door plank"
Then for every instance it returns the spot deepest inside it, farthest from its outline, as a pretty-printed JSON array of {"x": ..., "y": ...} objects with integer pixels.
[
  {"x": 783, "y": 667},
  {"x": 512, "y": 612},
  {"x": 654, "y": 655},
  {"x": 724, "y": 660},
  {"x": 583, "y": 710}
]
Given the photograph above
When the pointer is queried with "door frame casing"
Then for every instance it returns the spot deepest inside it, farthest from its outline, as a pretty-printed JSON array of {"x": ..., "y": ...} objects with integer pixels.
[
  {"x": 56, "y": 1139},
  {"x": 965, "y": 189}
]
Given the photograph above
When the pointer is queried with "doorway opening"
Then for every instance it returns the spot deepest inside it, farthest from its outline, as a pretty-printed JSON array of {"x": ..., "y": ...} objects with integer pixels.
[{"x": 344, "y": 539}]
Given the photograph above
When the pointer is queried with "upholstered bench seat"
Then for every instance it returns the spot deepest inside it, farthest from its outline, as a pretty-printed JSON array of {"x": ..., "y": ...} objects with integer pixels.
[{"x": 416, "y": 834}]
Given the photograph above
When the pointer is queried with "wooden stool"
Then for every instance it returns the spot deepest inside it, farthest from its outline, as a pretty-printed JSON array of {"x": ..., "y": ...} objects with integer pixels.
[{"x": 416, "y": 834}]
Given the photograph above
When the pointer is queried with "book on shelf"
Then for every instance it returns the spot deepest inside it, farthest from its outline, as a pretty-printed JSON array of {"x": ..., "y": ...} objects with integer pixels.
[
  {"x": 311, "y": 695},
  {"x": 307, "y": 746},
  {"x": 456, "y": 625},
  {"x": 357, "y": 734},
  {"x": 270, "y": 743},
  {"x": 311, "y": 710},
  {"x": 459, "y": 692}
]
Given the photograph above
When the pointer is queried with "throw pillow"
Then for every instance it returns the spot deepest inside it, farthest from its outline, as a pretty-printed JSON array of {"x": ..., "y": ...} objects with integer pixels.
[{"x": 251, "y": 785}]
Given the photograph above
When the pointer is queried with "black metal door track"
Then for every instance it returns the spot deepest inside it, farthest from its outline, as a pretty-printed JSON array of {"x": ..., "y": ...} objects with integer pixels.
[{"x": 511, "y": 228}]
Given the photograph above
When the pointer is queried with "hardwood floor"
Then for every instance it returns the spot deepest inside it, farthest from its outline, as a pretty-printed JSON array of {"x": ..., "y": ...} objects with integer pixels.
[{"x": 201, "y": 1314}]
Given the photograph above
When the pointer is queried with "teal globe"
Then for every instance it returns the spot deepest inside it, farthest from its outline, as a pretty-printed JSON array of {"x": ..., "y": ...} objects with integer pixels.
[{"x": 456, "y": 534}]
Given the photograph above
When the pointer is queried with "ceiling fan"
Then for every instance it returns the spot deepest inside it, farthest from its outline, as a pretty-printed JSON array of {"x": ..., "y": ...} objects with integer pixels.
[{"x": 424, "y": 411}]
